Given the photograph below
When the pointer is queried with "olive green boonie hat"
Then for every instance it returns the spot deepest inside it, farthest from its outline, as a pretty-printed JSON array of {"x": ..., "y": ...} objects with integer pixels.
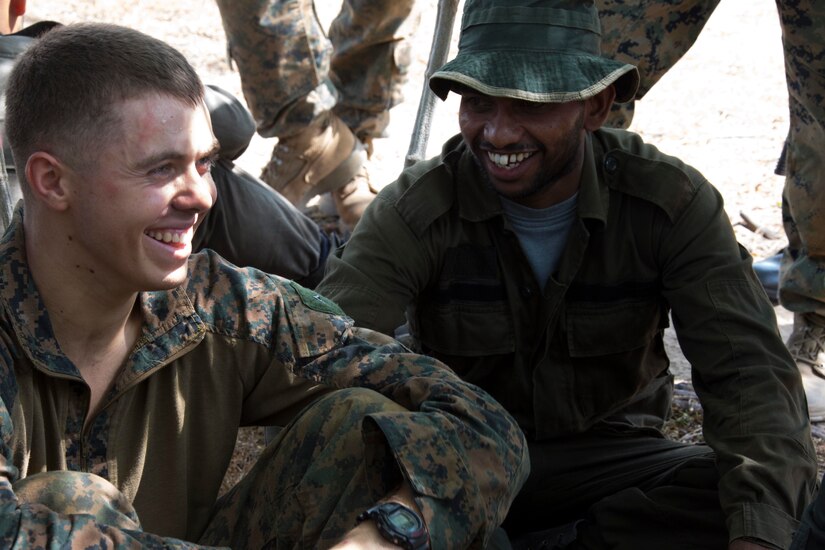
[{"x": 547, "y": 51}]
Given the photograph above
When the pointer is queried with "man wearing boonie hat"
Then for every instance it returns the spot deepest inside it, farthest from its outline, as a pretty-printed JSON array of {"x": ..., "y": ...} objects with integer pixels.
[{"x": 541, "y": 256}]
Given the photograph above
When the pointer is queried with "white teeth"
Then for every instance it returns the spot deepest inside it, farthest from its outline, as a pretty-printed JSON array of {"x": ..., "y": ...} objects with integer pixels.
[
  {"x": 508, "y": 161},
  {"x": 171, "y": 236}
]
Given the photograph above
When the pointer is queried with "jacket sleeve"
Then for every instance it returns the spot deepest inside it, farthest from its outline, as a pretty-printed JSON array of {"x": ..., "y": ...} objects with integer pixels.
[
  {"x": 755, "y": 415},
  {"x": 461, "y": 452},
  {"x": 399, "y": 261}
]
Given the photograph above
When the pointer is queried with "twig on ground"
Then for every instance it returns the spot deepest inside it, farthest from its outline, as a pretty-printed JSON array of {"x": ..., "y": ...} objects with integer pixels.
[{"x": 748, "y": 223}]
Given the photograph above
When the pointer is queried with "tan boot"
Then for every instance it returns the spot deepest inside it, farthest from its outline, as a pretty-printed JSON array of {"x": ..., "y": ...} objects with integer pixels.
[
  {"x": 353, "y": 198},
  {"x": 322, "y": 158},
  {"x": 807, "y": 346},
  {"x": 366, "y": 125}
]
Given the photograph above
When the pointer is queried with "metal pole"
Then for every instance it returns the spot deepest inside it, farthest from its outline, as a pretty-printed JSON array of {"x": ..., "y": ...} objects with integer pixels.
[
  {"x": 442, "y": 35},
  {"x": 6, "y": 207}
]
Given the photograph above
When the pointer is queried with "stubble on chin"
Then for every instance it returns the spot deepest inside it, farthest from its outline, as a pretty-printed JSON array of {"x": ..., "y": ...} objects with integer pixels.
[{"x": 543, "y": 181}]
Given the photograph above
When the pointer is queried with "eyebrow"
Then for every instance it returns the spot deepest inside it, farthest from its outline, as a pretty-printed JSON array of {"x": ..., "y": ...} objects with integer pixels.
[{"x": 173, "y": 155}]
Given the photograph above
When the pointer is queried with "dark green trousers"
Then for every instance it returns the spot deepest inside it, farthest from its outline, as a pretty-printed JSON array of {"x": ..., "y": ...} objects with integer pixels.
[
  {"x": 627, "y": 489},
  {"x": 811, "y": 532}
]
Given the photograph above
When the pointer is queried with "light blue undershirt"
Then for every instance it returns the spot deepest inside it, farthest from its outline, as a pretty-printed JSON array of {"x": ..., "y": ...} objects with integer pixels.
[{"x": 542, "y": 233}]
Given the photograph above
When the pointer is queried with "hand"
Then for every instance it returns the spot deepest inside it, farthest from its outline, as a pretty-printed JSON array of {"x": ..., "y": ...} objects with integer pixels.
[
  {"x": 742, "y": 544},
  {"x": 364, "y": 536}
]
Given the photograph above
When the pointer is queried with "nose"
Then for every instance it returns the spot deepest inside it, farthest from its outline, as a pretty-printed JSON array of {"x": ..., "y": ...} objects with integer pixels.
[
  {"x": 502, "y": 128},
  {"x": 197, "y": 192}
]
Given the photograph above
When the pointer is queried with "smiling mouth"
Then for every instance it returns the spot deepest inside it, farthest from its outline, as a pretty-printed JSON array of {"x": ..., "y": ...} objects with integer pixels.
[
  {"x": 508, "y": 161},
  {"x": 171, "y": 236}
]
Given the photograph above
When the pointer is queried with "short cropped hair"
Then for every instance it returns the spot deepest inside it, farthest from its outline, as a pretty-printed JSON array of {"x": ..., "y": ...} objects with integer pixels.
[{"x": 64, "y": 91}]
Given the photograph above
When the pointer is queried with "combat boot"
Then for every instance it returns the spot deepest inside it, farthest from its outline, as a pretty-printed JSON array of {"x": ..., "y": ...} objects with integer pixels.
[
  {"x": 323, "y": 157},
  {"x": 807, "y": 346},
  {"x": 353, "y": 198}
]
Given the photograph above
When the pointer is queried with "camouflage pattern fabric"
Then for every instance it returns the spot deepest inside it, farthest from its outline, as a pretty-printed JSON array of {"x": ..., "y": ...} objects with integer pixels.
[
  {"x": 102, "y": 516},
  {"x": 318, "y": 478},
  {"x": 78, "y": 493},
  {"x": 655, "y": 34},
  {"x": 651, "y": 34},
  {"x": 802, "y": 274},
  {"x": 291, "y": 71}
]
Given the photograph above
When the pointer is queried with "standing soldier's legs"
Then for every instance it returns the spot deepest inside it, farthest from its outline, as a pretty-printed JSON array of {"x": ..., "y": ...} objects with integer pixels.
[
  {"x": 802, "y": 274},
  {"x": 651, "y": 34},
  {"x": 284, "y": 59},
  {"x": 316, "y": 94},
  {"x": 370, "y": 41},
  {"x": 371, "y": 58}
]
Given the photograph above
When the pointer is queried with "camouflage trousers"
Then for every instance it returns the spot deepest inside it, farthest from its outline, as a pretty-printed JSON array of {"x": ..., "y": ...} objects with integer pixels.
[
  {"x": 305, "y": 490},
  {"x": 291, "y": 70},
  {"x": 655, "y": 34}
]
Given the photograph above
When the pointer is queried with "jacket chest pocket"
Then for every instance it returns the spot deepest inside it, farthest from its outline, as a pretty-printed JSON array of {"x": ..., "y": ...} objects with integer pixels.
[
  {"x": 466, "y": 312},
  {"x": 601, "y": 329}
]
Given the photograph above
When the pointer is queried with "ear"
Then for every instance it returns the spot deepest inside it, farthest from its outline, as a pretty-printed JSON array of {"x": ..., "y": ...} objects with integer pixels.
[
  {"x": 47, "y": 181},
  {"x": 597, "y": 108}
]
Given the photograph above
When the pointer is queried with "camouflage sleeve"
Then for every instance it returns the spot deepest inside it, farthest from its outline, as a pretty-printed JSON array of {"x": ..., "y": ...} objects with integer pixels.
[{"x": 462, "y": 453}]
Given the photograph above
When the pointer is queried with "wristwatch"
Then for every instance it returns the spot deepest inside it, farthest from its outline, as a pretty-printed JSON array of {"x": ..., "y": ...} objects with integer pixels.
[{"x": 398, "y": 524}]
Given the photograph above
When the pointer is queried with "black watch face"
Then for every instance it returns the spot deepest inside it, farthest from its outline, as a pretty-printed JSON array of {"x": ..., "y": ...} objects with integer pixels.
[
  {"x": 401, "y": 525},
  {"x": 403, "y": 520}
]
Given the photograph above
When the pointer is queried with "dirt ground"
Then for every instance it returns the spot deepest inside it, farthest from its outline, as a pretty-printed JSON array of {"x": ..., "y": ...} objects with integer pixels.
[{"x": 722, "y": 108}]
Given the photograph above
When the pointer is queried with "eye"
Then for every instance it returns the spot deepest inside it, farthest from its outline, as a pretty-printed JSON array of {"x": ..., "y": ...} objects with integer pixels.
[
  {"x": 475, "y": 103},
  {"x": 164, "y": 170},
  {"x": 206, "y": 163},
  {"x": 533, "y": 107}
]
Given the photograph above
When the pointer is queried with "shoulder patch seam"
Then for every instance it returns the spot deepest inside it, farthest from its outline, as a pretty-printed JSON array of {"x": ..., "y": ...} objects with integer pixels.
[{"x": 315, "y": 301}]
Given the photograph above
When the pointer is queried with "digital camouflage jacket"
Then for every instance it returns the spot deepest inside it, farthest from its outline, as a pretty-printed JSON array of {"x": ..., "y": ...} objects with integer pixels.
[{"x": 229, "y": 347}]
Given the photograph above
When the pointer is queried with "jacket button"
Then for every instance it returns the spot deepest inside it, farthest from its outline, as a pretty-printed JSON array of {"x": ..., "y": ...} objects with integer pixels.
[
  {"x": 610, "y": 164},
  {"x": 526, "y": 291}
]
